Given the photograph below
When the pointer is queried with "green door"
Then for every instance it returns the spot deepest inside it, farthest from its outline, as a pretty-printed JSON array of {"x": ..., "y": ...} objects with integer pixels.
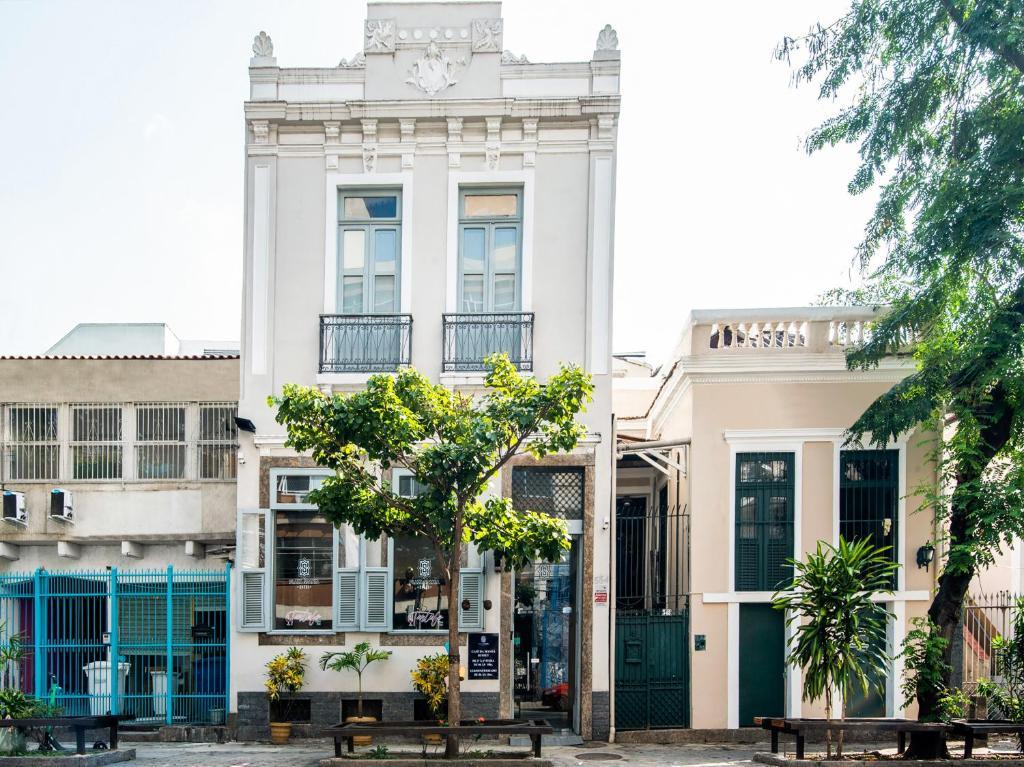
[
  {"x": 762, "y": 662},
  {"x": 652, "y": 671},
  {"x": 873, "y": 702}
]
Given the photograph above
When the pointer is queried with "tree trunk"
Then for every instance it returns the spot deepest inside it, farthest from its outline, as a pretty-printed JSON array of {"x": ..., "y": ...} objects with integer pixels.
[
  {"x": 451, "y": 749},
  {"x": 949, "y": 599}
]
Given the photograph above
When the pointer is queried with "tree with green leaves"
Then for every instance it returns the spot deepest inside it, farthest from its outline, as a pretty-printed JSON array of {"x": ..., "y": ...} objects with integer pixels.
[
  {"x": 356, "y": 659},
  {"x": 453, "y": 444},
  {"x": 932, "y": 93},
  {"x": 840, "y": 626}
]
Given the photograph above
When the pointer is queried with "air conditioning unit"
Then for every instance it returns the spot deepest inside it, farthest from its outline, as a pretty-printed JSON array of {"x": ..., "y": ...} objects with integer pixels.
[
  {"x": 14, "y": 508},
  {"x": 62, "y": 505}
]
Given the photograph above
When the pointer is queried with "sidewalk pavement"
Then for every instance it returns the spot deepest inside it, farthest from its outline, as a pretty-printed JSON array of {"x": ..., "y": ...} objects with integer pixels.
[{"x": 309, "y": 754}]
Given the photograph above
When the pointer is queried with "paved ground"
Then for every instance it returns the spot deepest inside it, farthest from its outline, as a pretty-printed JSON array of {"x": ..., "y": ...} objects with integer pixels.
[{"x": 308, "y": 754}]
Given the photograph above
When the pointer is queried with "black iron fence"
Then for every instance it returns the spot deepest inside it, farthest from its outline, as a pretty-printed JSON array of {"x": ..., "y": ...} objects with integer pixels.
[
  {"x": 364, "y": 343},
  {"x": 470, "y": 338}
]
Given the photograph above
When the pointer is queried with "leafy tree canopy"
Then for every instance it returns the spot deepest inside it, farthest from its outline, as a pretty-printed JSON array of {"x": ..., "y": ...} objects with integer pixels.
[{"x": 931, "y": 91}]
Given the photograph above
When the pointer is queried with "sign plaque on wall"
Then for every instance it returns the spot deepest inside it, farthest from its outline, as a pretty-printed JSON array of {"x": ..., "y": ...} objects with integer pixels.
[{"x": 483, "y": 656}]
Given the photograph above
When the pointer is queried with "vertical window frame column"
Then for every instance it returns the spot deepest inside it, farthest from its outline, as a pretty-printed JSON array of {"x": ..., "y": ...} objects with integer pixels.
[
  {"x": 369, "y": 226},
  {"x": 490, "y": 224}
]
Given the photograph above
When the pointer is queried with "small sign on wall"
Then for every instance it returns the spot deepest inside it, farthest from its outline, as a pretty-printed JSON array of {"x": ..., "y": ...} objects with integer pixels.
[{"x": 483, "y": 656}]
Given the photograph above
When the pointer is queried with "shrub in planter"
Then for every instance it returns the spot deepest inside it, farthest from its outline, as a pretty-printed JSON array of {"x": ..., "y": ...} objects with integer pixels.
[
  {"x": 286, "y": 673},
  {"x": 430, "y": 679},
  {"x": 356, "y": 659}
]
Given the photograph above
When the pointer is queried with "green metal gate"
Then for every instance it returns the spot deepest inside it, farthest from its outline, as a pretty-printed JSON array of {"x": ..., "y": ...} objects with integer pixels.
[
  {"x": 652, "y": 619},
  {"x": 652, "y": 671}
]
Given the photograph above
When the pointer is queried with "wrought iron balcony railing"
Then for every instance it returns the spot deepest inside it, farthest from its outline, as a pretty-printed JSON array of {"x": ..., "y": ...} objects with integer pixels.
[
  {"x": 469, "y": 338},
  {"x": 364, "y": 343}
]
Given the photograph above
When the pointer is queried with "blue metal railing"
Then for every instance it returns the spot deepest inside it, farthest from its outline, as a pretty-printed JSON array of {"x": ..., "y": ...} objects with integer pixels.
[{"x": 153, "y": 644}]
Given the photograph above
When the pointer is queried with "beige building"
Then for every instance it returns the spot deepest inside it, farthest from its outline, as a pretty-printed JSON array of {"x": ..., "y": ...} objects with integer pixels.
[
  {"x": 429, "y": 200},
  {"x": 117, "y": 481},
  {"x": 730, "y": 460}
]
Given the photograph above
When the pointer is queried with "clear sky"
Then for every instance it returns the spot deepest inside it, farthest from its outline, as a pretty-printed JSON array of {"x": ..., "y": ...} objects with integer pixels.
[{"x": 121, "y": 185}]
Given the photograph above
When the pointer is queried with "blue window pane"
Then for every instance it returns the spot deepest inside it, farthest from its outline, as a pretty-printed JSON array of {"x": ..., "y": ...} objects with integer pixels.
[
  {"x": 385, "y": 246},
  {"x": 371, "y": 207},
  {"x": 505, "y": 249},
  {"x": 473, "y": 247}
]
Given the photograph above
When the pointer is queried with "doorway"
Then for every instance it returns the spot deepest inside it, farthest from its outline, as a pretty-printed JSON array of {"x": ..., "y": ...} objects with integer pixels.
[
  {"x": 545, "y": 641},
  {"x": 762, "y": 662}
]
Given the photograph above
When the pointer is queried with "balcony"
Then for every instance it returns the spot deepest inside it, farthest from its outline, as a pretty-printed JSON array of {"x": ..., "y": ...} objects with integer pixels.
[
  {"x": 470, "y": 338},
  {"x": 364, "y": 343}
]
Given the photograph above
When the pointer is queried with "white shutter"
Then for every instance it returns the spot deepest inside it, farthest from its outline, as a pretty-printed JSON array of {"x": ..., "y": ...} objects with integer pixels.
[
  {"x": 254, "y": 602},
  {"x": 346, "y": 600},
  {"x": 376, "y": 600},
  {"x": 471, "y": 587}
]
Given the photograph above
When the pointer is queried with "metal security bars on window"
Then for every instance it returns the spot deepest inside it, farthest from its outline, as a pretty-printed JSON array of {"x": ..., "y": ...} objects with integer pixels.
[
  {"x": 764, "y": 520},
  {"x": 160, "y": 441},
  {"x": 218, "y": 441},
  {"x": 554, "y": 491},
  {"x": 33, "y": 440},
  {"x": 96, "y": 442},
  {"x": 869, "y": 497}
]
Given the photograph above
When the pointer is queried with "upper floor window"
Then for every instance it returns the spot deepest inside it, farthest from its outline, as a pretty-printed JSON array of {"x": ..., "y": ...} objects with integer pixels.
[
  {"x": 34, "y": 447},
  {"x": 490, "y": 250},
  {"x": 96, "y": 438},
  {"x": 369, "y": 244},
  {"x": 765, "y": 499},
  {"x": 218, "y": 442},
  {"x": 869, "y": 497},
  {"x": 160, "y": 441}
]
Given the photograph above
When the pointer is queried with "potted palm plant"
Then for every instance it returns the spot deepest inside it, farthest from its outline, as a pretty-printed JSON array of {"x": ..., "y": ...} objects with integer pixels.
[
  {"x": 430, "y": 679},
  {"x": 356, "y": 659},
  {"x": 286, "y": 673}
]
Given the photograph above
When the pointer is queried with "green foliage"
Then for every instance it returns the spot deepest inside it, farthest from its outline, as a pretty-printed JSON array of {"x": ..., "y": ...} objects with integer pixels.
[
  {"x": 356, "y": 659},
  {"x": 14, "y": 704},
  {"x": 285, "y": 673},
  {"x": 954, "y": 704},
  {"x": 932, "y": 95},
  {"x": 377, "y": 752},
  {"x": 840, "y": 629},
  {"x": 430, "y": 679},
  {"x": 925, "y": 669},
  {"x": 1005, "y": 693},
  {"x": 453, "y": 444},
  {"x": 11, "y": 654}
]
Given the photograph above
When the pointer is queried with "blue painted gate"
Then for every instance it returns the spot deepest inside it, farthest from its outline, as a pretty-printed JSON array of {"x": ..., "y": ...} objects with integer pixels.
[{"x": 168, "y": 630}]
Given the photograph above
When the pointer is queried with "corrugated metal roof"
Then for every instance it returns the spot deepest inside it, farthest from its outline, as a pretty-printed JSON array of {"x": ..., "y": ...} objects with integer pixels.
[{"x": 121, "y": 357}]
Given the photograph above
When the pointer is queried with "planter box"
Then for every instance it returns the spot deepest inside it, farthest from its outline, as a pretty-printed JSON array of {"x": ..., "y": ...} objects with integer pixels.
[
  {"x": 96, "y": 759},
  {"x": 410, "y": 760},
  {"x": 778, "y": 760}
]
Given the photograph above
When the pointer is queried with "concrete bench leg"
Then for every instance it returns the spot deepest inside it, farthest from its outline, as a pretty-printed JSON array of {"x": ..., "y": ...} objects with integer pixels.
[
  {"x": 902, "y": 742},
  {"x": 337, "y": 746},
  {"x": 536, "y": 745},
  {"x": 969, "y": 745},
  {"x": 799, "y": 746},
  {"x": 775, "y": 741},
  {"x": 79, "y": 740}
]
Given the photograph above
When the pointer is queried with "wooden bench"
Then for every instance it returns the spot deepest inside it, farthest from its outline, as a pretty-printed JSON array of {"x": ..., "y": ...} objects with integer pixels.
[
  {"x": 801, "y": 728},
  {"x": 348, "y": 730},
  {"x": 77, "y": 723},
  {"x": 969, "y": 729}
]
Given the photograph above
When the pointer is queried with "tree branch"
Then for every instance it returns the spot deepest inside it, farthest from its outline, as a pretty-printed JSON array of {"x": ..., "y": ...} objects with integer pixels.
[{"x": 1011, "y": 56}]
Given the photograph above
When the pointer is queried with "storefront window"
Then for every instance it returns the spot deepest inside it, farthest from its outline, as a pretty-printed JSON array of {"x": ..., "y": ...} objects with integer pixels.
[
  {"x": 420, "y": 602},
  {"x": 303, "y": 572}
]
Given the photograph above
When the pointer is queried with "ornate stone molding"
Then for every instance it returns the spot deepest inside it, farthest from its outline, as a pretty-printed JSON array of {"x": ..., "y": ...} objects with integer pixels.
[
  {"x": 492, "y": 146},
  {"x": 262, "y": 45},
  {"x": 530, "y": 141},
  {"x": 407, "y": 129},
  {"x": 434, "y": 71},
  {"x": 260, "y": 132},
  {"x": 507, "y": 57},
  {"x": 358, "y": 61},
  {"x": 332, "y": 139},
  {"x": 369, "y": 146},
  {"x": 411, "y": 36},
  {"x": 487, "y": 35},
  {"x": 607, "y": 39},
  {"x": 454, "y": 142},
  {"x": 379, "y": 36}
]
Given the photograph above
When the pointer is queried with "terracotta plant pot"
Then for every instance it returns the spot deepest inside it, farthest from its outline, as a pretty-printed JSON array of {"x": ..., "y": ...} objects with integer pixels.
[
  {"x": 361, "y": 740},
  {"x": 280, "y": 732}
]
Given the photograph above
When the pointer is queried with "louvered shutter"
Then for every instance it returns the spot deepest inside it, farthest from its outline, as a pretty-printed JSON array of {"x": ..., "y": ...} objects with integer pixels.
[
  {"x": 346, "y": 600},
  {"x": 376, "y": 600},
  {"x": 254, "y": 602},
  {"x": 471, "y": 587}
]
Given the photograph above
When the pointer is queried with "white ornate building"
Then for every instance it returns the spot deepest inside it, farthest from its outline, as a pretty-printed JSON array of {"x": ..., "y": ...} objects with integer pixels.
[{"x": 429, "y": 200}]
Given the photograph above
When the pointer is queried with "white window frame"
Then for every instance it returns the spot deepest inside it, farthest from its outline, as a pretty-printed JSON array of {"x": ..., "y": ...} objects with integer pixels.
[
  {"x": 8, "y": 443},
  {"x": 337, "y": 183},
  {"x": 138, "y": 410}
]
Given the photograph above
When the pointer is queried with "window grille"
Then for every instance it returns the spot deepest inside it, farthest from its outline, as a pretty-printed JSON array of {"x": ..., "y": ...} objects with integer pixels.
[
  {"x": 218, "y": 441},
  {"x": 552, "y": 490},
  {"x": 869, "y": 497},
  {"x": 160, "y": 441},
  {"x": 96, "y": 436},
  {"x": 764, "y": 520},
  {"x": 33, "y": 442}
]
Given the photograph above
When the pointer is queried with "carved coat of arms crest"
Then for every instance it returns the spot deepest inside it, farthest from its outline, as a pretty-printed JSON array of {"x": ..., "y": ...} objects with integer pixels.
[{"x": 433, "y": 71}]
